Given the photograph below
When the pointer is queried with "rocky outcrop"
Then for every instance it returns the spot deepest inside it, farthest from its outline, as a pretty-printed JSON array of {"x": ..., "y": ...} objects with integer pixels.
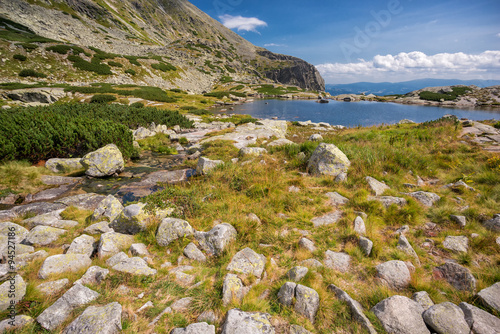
[
  {"x": 400, "y": 315},
  {"x": 104, "y": 320},
  {"x": 327, "y": 159},
  {"x": 105, "y": 161}
]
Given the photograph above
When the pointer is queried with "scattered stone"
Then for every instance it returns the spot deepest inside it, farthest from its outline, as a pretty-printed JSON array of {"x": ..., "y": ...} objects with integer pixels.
[
  {"x": 192, "y": 252},
  {"x": 16, "y": 324},
  {"x": 405, "y": 246},
  {"x": 109, "y": 208},
  {"x": 341, "y": 178},
  {"x": 337, "y": 261},
  {"x": 20, "y": 233},
  {"x": 337, "y": 199},
  {"x": 117, "y": 258},
  {"x": 426, "y": 198},
  {"x": 366, "y": 245},
  {"x": 181, "y": 305},
  {"x": 43, "y": 235},
  {"x": 456, "y": 244},
  {"x": 87, "y": 201},
  {"x": 423, "y": 298},
  {"x": 106, "y": 161},
  {"x": 122, "y": 290},
  {"x": 458, "y": 276},
  {"x": 460, "y": 220},
  {"x": 145, "y": 306},
  {"x": 248, "y": 262},
  {"x": 23, "y": 259},
  {"x": 359, "y": 226},
  {"x": 316, "y": 137},
  {"x": 297, "y": 273},
  {"x": 287, "y": 293},
  {"x": 493, "y": 224},
  {"x": 215, "y": 241},
  {"x": 54, "y": 287},
  {"x": 205, "y": 165},
  {"x": 238, "y": 322},
  {"x": 394, "y": 274},
  {"x": 197, "y": 328},
  {"x": 135, "y": 266},
  {"x": 52, "y": 219},
  {"x": 98, "y": 228},
  {"x": 480, "y": 322},
  {"x": 139, "y": 250},
  {"x": 233, "y": 289},
  {"x": 54, "y": 180},
  {"x": 403, "y": 230},
  {"x": 307, "y": 244},
  {"x": 252, "y": 152},
  {"x": 171, "y": 229},
  {"x": 57, "y": 313},
  {"x": 327, "y": 219},
  {"x": 132, "y": 220},
  {"x": 93, "y": 275},
  {"x": 103, "y": 320},
  {"x": 38, "y": 208},
  {"x": 281, "y": 142},
  {"x": 57, "y": 165},
  {"x": 387, "y": 201},
  {"x": 306, "y": 302},
  {"x": 207, "y": 316},
  {"x": 253, "y": 217},
  {"x": 446, "y": 318},
  {"x": 184, "y": 279},
  {"x": 296, "y": 329},
  {"x": 491, "y": 296},
  {"x": 7, "y": 297},
  {"x": 327, "y": 159},
  {"x": 62, "y": 263},
  {"x": 111, "y": 243},
  {"x": 83, "y": 244},
  {"x": 311, "y": 263},
  {"x": 293, "y": 189},
  {"x": 378, "y": 187},
  {"x": 400, "y": 315},
  {"x": 356, "y": 308}
]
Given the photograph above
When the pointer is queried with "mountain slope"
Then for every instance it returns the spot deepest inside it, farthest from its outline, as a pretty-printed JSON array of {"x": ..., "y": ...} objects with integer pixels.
[{"x": 201, "y": 48}]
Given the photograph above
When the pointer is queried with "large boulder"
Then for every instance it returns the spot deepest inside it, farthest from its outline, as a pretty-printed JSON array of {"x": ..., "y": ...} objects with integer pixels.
[
  {"x": 327, "y": 159},
  {"x": 248, "y": 262},
  {"x": 106, "y": 161},
  {"x": 84, "y": 244},
  {"x": 132, "y": 220},
  {"x": 7, "y": 297},
  {"x": 394, "y": 274},
  {"x": 481, "y": 322},
  {"x": 233, "y": 289},
  {"x": 426, "y": 198},
  {"x": 493, "y": 224},
  {"x": 62, "y": 263},
  {"x": 306, "y": 302},
  {"x": 239, "y": 322},
  {"x": 172, "y": 229},
  {"x": 215, "y": 241},
  {"x": 57, "y": 165},
  {"x": 400, "y": 315},
  {"x": 205, "y": 165},
  {"x": 458, "y": 276},
  {"x": 43, "y": 235},
  {"x": 106, "y": 319},
  {"x": 491, "y": 296},
  {"x": 135, "y": 266},
  {"x": 109, "y": 208},
  {"x": 446, "y": 318},
  {"x": 57, "y": 313},
  {"x": 112, "y": 243}
]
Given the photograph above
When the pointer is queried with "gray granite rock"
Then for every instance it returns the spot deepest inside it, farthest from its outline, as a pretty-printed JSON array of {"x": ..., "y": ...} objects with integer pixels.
[
  {"x": 93, "y": 275},
  {"x": 88, "y": 201},
  {"x": 14, "y": 283},
  {"x": 311, "y": 263},
  {"x": 376, "y": 186},
  {"x": 327, "y": 219},
  {"x": 98, "y": 228},
  {"x": 106, "y": 319},
  {"x": 423, "y": 298},
  {"x": 394, "y": 274},
  {"x": 54, "y": 287},
  {"x": 207, "y": 316},
  {"x": 239, "y": 322},
  {"x": 493, "y": 224},
  {"x": 62, "y": 263},
  {"x": 296, "y": 329},
  {"x": 252, "y": 152},
  {"x": 16, "y": 324},
  {"x": 192, "y": 252},
  {"x": 459, "y": 244},
  {"x": 109, "y": 208},
  {"x": 83, "y": 244},
  {"x": 460, "y": 220},
  {"x": 43, "y": 235},
  {"x": 171, "y": 229},
  {"x": 57, "y": 165},
  {"x": 491, "y": 296},
  {"x": 297, "y": 273},
  {"x": 336, "y": 199},
  {"x": 307, "y": 244},
  {"x": 446, "y": 318},
  {"x": 387, "y": 201},
  {"x": 400, "y": 315},
  {"x": 215, "y": 241},
  {"x": 205, "y": 165},
  {"x": 426, "y": 198},
  {"x": 139, "y": 250},
  {"x": 481, "y": 322},
  {"x": 15, "y": 232},
  {"x": 233, "y": 290},
  {"x": 182, "y": 305},
  {"x": 131, "y": 220},
  {"x": 337, "y": 261},
  {"x": 306, "y": 302},
  {"x": 105, "y": 161},
  {"x": 196, "y": 328},
  {"x": 359, "y": 226},
  {"x": 366, "y": 245},
  {"x": 327, "y": 159},
  {"x": 458, "y": 276},
  {"x": 57, "y": 313},
  {"x": 135, "y": 266},
  {"x": 112, "y": 243},
  {"x": 248, "y": 262},
  {"x": 405, "y": 246}
]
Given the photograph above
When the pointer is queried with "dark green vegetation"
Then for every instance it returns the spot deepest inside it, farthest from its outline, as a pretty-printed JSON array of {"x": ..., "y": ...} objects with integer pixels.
[
  {"x": 102, "y": 98},
  {"x": 64, "y": 49},
  {"x": 19, "y": 57},
  {"x": 28, "y": 72},
  {"x": 449, "y": 96},
  {"x": 13, "y": 31},
  {"x": 71, "y": 130},
  {"x": 164, "y": 67},
  {"x": 220, "y": 95},
  {"x": 143, "y": 92},
  {"x": 93, "y": 66}
]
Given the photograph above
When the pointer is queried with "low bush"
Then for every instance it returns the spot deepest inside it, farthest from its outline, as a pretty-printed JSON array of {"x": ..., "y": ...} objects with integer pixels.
[
  {"x": 142, "y": 92},
  {"x": 164, "y": 67},
  {"x": 64, "y": 49},
  {"x": 95, "y": 67},
  {"x": 31, "y": 73},
  {"x": 130, "y": 71},
  {"x": 19, "y": 57},
  {"x": 102, "y": 98},
  {"x": 137, "y": 105},
  {"x": 115, "y": 64},
  {"x": 448, "y": 96},
  {"x": 27, "y": 46},
  {"x": 133, "y": 60},
  {"x": 220, "y": 95}
]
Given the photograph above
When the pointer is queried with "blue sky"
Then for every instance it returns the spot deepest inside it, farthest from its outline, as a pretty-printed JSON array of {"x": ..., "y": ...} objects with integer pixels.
[{"x": 373, "y": 40}]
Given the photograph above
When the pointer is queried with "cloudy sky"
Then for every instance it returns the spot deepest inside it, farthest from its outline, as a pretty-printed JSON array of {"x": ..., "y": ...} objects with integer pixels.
[{"x": 373, "y": 40}]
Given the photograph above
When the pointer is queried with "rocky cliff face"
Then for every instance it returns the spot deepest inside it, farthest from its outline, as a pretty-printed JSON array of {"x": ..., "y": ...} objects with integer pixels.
[{"x": 200, "y": 46}]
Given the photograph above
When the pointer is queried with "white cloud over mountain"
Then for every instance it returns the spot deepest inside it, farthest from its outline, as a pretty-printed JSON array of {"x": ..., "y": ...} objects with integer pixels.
[
  {"x": 242, "y": 23},
  {"x": 417, "y": 65}
]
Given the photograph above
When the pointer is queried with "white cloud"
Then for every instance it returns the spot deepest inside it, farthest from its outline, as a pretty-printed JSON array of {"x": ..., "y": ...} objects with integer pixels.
[
  {"x": 274, "y": 44},
  {"x": 242, "y": 23},
  {"x": 414, "y": 65},
  {"x": 498, "y": 35}
]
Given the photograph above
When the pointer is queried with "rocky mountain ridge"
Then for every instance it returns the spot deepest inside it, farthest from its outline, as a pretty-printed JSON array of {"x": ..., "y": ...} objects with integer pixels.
[{"x": 201, "y": 48}]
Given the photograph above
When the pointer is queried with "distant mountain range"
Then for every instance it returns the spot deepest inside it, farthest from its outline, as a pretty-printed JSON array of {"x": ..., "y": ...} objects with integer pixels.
[{"x": 388, "y": 88}]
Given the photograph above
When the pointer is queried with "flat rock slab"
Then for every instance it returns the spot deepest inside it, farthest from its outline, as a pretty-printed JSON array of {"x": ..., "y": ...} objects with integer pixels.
[
  {"x": 54, "y": 180},
  {"x": 480, "y": 321},
  {"x": 239, "y": 322},
  {"x": 387, "y": 201},
  {"x": 49, "y": 194},
  {"x": 37, "y": 208},
  {"x": 83, "y": 201},
  {"x": 426, "y": 198},
  {"x": 54, "y": 287},
  {"x": 400, "y": 315},
  {"x": 459, "y": 244},
  {"x": 20, "y": 321},
  {"x": 57, "y": 313},
  {"x": 337, "y": 261},
  {"x": 15, "y": 283},
  {"x": 327, "y": 219},
  {"x": 43, "y": 235},
  {"x": 491, "y": 296},
  {"x": 8, "y": 228},
  {"x": 376, "y": 186},
  {"x": 93, "y": 275},
  {"x": 135, "y": 266},
  {"x": 103, "y": 320},
  {"x": 197, "y": 328},
  {"x": 57, "y": 264},
  {"x": 336, "y": 199},
  {"x": 247, "y": 262}
]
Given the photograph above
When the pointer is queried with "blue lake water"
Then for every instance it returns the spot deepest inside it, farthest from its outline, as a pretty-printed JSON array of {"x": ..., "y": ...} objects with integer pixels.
[{"x": 352, "y": 114}]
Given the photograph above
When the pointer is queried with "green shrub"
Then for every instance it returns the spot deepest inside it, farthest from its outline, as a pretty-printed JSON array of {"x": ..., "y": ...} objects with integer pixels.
[
  {"x": 19, "y": 57},
  {"x": 115, "y": 64},
  {"x": 27, "y": 46},
  {"x": 188, "y": 108},
  {"x": 137, "y": 105},
  {"x": 177, "y": 90},
  {"x": 95, "y": 67},
  {"x": 130, "y": 71},
  {"x": 102, "y": 98},
  {"x": 229, "y": 69},
  {"x": 226, "y": 79},
  {"x": 497, "y": 125},
  {"x": 31, "y": 73},
  {"x": 13, "y": 31},
  {"x": 220, "y": 95},
  {"x": 448, "y": 96},
  {"x": 142, "y": 92},
  {"x": 133, "y": 60},
  {"x": 238, "y": 87},
  {"x": 164, "y": 67},
  {"x": 201, "y": 112}
]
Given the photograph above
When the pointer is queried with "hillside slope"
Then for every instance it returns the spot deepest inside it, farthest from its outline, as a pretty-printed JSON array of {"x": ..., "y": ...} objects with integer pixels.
[{"x": 202, "y": 50}]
